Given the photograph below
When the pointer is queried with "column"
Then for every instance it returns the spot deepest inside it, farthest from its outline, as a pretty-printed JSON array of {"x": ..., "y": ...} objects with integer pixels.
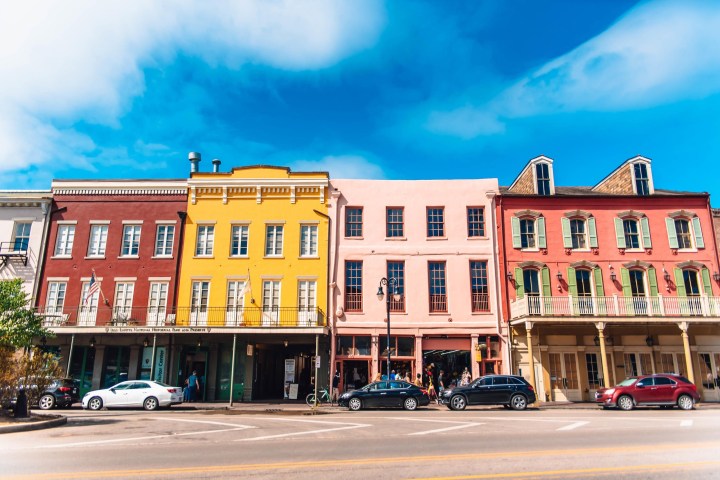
[
  {"x": 531, "y": 359},
  {"x": 134, "y": 364},
  {"x": 603, "y": 357},
  {"x": 418, "y": 357},
  {"x": 473, "y": 356},
  {"x": 686, "y": 348},
  {"x": 375, "y": 352},
  {"x": 98, "y": 366}
]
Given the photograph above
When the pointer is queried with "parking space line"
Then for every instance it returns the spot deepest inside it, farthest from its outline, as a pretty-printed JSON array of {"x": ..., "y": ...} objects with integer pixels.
[
  {"x": 294, "y": 434},
  {"x": 455, "y": 427},
  {"x": 572, "y": 426},
  {"x": 223, "y": 424}
]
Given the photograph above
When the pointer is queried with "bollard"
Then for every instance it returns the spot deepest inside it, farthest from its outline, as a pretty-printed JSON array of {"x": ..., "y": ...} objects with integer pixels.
[{"x": 21, "y": 405}]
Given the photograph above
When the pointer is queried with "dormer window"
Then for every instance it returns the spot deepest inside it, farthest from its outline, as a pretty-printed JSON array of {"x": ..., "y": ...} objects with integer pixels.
[
  {"x": 542, "y": 176},
  {"x": 642, "y": 180}
]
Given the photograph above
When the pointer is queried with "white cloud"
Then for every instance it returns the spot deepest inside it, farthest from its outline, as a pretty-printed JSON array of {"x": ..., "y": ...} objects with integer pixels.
[
  {"x": 341, "y": 166},
  {"x": 83, "y": 60}
]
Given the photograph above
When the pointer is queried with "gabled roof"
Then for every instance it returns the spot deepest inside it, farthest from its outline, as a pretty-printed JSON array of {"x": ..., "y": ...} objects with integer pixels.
[
  {"x": 533, "y": 161},
  {"x": 614, "y": 173}
]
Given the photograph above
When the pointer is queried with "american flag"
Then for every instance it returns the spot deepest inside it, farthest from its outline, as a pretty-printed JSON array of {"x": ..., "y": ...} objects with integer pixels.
[{"x": 94, "y": 287}]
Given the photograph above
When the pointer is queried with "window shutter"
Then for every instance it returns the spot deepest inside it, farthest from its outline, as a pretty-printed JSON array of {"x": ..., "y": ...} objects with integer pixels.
[
  {"x": 672, "y": 234},
  {"x": 515, "y": 224},
  {"x": 699, "y": 242},
  {"x": 706, "y": 282},
  {"x": 572, "y": 281},
  {"x": 541, "y": 232},
  {"x": 619, "y": 233},
  {"x": 546, "y": 291},
  {"x": 652, "y": 280},
  {"x": 645, "y": 226},
  {"x": 625, "y": 278},
  {"x": 680, "y": 283},
  {"x": 567, "y": 239},
  {"x": 592, "y": 232},
  {"x": 519, "y": 289},
  {"x": 599, "y": 289}
]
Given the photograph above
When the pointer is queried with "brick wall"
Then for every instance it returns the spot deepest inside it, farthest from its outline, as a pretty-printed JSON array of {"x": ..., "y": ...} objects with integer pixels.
[
  {"x": 524, "y": 183},
  {"x": 620, "y": 183}
]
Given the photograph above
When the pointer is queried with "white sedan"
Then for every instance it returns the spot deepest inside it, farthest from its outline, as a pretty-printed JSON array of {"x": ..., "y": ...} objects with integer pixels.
[{"x": 134, "y": 393}]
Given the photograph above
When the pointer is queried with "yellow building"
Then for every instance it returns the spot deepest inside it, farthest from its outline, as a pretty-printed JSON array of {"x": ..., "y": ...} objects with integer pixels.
[{"x": 253, "y": 269}]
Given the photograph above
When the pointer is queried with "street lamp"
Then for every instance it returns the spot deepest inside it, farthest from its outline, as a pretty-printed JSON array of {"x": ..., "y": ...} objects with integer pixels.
[{"x": 392, "y": 287}]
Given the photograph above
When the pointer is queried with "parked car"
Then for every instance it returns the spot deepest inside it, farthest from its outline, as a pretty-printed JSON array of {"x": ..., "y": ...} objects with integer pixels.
[
  {"x": 393, "y": 394},
  {"x": 508, "y": 390},
  {"x": 664, "y": 390},
  {"x": 134, "y": 393},
  {"x": 61, "y": 393}
]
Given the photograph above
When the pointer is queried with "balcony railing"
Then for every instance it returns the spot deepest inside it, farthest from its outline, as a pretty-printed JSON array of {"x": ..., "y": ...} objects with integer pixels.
[
  {"x": 480, "y": 302},
  {"x": 615, "y": 306},
  {"x": 252, "y": 317}
]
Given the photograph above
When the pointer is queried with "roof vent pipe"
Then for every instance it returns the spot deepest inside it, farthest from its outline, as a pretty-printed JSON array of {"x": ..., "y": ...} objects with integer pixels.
[
  {"x": 194, "y": 158},
  {"x": 216, "y": 165}
]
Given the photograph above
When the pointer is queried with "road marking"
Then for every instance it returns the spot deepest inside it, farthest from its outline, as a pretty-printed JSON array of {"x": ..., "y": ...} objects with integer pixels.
[
  {"x": 425, "y": 420},
  {"x": 572, "y": 426},
  {"x": 456, "y": 427},
  {"x": 686, "y": 423},
  {"x": 294, "y": 434},
  {"x": 223, "y": 424}
]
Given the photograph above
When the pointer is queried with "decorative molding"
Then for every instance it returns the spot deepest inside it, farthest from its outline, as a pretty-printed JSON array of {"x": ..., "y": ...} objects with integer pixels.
[
  {"x": 119, "y": 187},
  {"x": 584, "y": 264},
  {"x": 637, "y": 264},
  {"x": 531, "y": 264},
  {"x": 578, "y": 213},
  {"x": 691, "y": 264},
  {"x": 528, "y": 213},
  {"x": 682, "y": 213},
  {"x": 631, "y": 213}
]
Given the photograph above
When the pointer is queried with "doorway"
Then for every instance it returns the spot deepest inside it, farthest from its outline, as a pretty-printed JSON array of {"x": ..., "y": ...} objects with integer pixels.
[
  {"x": 351, "y": 381},
  {"x": 194, "y": 360},
  {"x": 564, "y": 384}
]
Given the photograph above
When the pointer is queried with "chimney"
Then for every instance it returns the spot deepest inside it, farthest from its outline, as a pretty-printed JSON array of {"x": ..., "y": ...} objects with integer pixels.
[
  {"x": 194, "y": 158},
  {"x": 216, "y": 165}
]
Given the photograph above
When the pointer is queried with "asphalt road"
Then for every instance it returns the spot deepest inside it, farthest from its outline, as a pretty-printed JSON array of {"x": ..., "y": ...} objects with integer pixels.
[{"x": 433, "y": 443}]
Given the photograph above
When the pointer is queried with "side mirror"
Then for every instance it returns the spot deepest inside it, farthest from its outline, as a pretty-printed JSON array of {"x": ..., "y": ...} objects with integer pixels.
[
  {"x": 112, "y": 390},
  {"x": 640, "y": 385}
]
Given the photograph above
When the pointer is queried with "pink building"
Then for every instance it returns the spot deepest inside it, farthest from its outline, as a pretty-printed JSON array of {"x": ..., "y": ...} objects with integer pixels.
[{"x": 435, "y": 241}]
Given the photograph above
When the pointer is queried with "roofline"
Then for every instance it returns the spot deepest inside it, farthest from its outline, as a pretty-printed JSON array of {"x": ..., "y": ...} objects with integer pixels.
[
  {"x": 636, "y": 157},
  {"x": 527, "y": 165}
]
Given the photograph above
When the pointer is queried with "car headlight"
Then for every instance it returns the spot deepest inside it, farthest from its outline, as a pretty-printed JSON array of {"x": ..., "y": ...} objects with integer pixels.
[
  {"x": 345, "y": 395},
  {"x": 609, "y": 391}
]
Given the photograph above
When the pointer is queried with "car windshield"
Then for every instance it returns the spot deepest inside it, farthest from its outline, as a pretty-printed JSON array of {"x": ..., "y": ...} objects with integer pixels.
[
  {"x": 627, "y": 382},
  {"x": 121, "y": 386}
]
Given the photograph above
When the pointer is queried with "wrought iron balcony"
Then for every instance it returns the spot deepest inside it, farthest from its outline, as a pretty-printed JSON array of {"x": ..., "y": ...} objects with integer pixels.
[
  {"x": 249, "y": 317},
  {"x": 615, "y": 306}
]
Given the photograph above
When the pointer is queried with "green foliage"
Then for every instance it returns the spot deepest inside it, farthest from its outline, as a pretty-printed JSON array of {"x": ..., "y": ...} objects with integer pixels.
[
  {"x": 19, "y": 324},
  {"x": 34, "y": 370}
]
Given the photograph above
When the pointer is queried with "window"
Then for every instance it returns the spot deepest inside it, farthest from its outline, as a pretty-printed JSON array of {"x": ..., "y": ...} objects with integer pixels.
[
  {"x": 200, "y": 296},
  {"x": 437, "y": 287},
  {"x": 353, "y": 286},
  {"x": 577, "y": 232},
  {"x": 396, "y": 270},
  {"x": 307, "y": 295},
  {"x": 531, "y": 283},
  {"x": 692, "y": 286},
  {"x": 131, "y": 240},
  {"x": 642, "y": 181},
  {"x": 158, "y": 297},
  {"x": 435, "y": 222},
  {"x": 164, "y": 240},
  {"x": 22, "y": 237},
  {"x": 204, "y": 240},
  {"x": 582, "y": 282},
  {"x": 632, "y": 235},
  {"x": 527, "y": 233},
  {"x": 123, "y": 300},
  {"x": 682, "y": 230},
  {"x": 64, "y": 242},
  {"x": 479, "y": 287},
  {"x": 394, "y": 222},
  {"x": 239, "y": 240},
  {"x": 353, "y": 221},
  {"x": 235, "y": 295},
  {"x": 98, "y": 240},
  {"x": 633, "y": 232},
  {"x": 308, "y": 240},
  {"x": 55, "y": 297},
  {"x": 271, "y": 296},
  {"x": 637, "y": 283},
  {"x": 476, "y": 222},
  {"x": 542, "y": 173},
  {"x": 273, "y": 240}
]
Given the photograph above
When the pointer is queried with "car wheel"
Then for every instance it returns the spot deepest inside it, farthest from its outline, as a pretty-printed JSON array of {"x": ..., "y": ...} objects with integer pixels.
[
  {"x": 410, "y": 404},
  {"x": 625, "y": 403},
  {"x": 150, "y": 403},
  {"x": 685, "y": 402},
  {"x": 458, "y": 402},
  {"x": 46, "y": 402},
  {"x": 355, "y": 404},
  {"x": 518, "y": 402},
  {"x": 95, "y": 403}
]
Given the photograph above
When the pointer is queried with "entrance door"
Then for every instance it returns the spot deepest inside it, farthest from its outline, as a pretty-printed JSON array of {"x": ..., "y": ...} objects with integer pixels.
[
  {"x": 349, "y": 380},
  {"x": 638, "y": 364},
  {"x": 81, "y": 368},
  {"x": 195, "y": 360},
  {"x": 564, "y": 377},
  {"x": 710, "y": 375}
]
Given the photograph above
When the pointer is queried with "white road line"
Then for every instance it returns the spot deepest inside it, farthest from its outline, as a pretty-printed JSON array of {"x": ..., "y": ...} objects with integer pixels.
[
  {"x": 429, "y": 420},
  {"x": 572, "y": 426},
  {"x": 686, "y": 423},
  {"x": 134, "y": 439},
  {"x": 456, "y": 427},
  {"x": 223, "y": 424},
  {"x": 293, "y": 434}
]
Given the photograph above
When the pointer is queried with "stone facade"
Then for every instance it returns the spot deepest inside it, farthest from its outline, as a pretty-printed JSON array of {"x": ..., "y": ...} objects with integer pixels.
[
  {"x": 619, "y": 183},
  {"x": 524, "y": 184}
]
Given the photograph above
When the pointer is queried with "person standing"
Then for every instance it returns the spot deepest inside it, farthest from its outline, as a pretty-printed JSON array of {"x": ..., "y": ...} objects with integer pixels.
[
  {"x": 418, "y": 380},
  {"x": 193, "y": 386},
  {"x": 335, "y": 388},
  {"x": 441, "y": 385},
  {"x": 466, "y": 377}
]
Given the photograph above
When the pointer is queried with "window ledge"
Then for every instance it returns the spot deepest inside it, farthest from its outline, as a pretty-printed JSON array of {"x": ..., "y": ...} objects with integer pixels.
[
  {"x": 489, "y": 312},
  {"x": 354, "y": 312},
  {"x": 478, "y": 238},
  {"x": 439, "y": 314},
  {"x": 634, "y": 250},
  {"x": 61, "y": 256},
  {"x": 238, "y": 256},
  {"x": 355, "y": 238},
  {"x": 308, "y": 257},
  {"x": 435, "y": 239},
  {"x": 156, "y": 257},
  {"x": 131, "y": 257},
  {"x": 280, "y": 257},
  {"x": 203, "y": 256},
  {"x": 529, "y": 249},
  {"x": 95, "y": 257},
  {"x": 396, "y": 239},
  {"x": 687, "y": 250}
]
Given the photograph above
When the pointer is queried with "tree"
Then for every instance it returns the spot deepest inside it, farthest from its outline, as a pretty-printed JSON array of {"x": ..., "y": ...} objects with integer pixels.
[{"x": 19, "y": 324}]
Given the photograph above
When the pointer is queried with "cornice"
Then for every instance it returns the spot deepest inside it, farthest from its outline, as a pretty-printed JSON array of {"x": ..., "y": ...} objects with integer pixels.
[{"x": 121, "y": 187}]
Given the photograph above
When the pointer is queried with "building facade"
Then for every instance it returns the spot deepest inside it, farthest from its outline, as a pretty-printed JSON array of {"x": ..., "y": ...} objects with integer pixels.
[
  {"x": 253, "y": 282},
  {"x": 107, "y": 287},
  {"x": 608, "y": 281},
  {"x": 435, "y": 243}
]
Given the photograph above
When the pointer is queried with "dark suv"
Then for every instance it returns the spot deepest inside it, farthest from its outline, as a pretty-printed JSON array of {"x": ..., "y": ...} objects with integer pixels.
[
  {"x": 60, "y": 393},
  {"x": 664, "y": 390},
  {"x": 511, "y": 391}
]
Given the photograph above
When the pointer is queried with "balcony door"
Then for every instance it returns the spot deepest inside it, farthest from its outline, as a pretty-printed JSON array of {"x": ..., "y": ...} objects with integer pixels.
[
  {"x": 564, "y": 381},
  {"x": 583, "y": 283},
  {"x": 88, "y": 306},
  {"x": 157, "y": 304},
  {"x": 271, "y": 303},
  {"x": 307, "y": 303},
  {"x": 199, "y": 303},
  {"x": 692, "y": 292},
  {"x": 638, "y": 363},
  {"x": 531, "y": 284}
]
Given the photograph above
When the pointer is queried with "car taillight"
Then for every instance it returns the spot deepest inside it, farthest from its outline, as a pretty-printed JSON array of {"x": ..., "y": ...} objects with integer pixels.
[
  {"x": 171, "y": 390},
  {"x": 424, "y": 391},
  {"x": 64, "y": 389},
  {"x": 530, "y": 387}
]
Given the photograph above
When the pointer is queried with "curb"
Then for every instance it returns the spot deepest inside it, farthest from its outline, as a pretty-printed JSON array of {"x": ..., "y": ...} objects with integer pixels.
[{"x": 49, "y": 422}]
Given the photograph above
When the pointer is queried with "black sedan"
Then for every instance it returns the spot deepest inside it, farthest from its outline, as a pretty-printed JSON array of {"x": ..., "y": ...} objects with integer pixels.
[
  {"x": 394, "y": 394},
  {"x": 508, "y": 390}
]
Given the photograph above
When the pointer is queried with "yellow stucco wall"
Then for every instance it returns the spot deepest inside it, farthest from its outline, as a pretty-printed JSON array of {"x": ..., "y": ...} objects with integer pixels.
[{"x": 257, "y": 197}]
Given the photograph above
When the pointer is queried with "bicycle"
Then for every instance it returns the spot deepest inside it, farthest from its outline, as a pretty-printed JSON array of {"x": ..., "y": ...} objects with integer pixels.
[{"x": 323, "y": 397}]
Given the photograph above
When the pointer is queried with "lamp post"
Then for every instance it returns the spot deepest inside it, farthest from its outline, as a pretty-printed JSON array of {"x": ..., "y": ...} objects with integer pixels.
[{"x": 394, "y": 294}]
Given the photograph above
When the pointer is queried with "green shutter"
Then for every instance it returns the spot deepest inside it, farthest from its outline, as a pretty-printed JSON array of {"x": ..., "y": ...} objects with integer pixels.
[
  {"x": 645, "y": 226},
  {"x": 567, "y": 238},
  {"x": 592, "y": 231},
  {"x": 599, "y": 289},
  {"x": 652, "y": 280},
  {"x": 572, "y": 281},
  {"x": 672, "y": 234},
  {"x": 515, "y": 225},
  {"x": 680, "y": 283},
  {"x": 541, "y": 232},
  {"x": 619, "y": 233},
  {"x": 625, "y": 279},
  {"x": 699, "y": 242},
  {"x": 546, "y": 290},
  {"x": 519, "y": 289},
  {"x": 707, "y": 286}
]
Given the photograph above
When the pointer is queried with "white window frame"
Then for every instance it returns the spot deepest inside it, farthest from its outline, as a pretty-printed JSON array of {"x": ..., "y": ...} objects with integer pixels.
[
  {"x": 131, "y": 232},
  {"x": 163, "y": 246},
  {"x": 65, "y": 239},
  {"x": 534, "y": 234},
  {"x": 25, "y": 237},
  {"x": 157, "y": 303},
  {"x": 549, "y": 164},
  {"x": 235, "y": 302},
  {"x": 204, "y": 240},
  {"x": 97, "y": 245},
  {"x": 199, "y": 302},
  {"x": 308, "y": 234},
  {"x": 238, "y": 232},
  {"x": 648, "y": 172},
  {"x": 123, "y": 300},
  {"x": 55, "y": 300},
  {"x": 584, "y": 235},
  {"x": 273, "y": 246}
]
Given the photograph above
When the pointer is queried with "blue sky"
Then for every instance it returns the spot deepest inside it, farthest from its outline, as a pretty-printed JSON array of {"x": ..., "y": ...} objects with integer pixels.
[{"x": 365, "y": 89}]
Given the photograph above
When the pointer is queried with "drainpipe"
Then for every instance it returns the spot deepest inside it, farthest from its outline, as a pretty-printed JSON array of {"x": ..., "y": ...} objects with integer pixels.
[
  {"x": 328, "y": 306},
  {"x": 506, "y": 298}
]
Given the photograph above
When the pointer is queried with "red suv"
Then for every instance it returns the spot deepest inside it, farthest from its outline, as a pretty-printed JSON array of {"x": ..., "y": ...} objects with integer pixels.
[{"x": 664, "y": 390}]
